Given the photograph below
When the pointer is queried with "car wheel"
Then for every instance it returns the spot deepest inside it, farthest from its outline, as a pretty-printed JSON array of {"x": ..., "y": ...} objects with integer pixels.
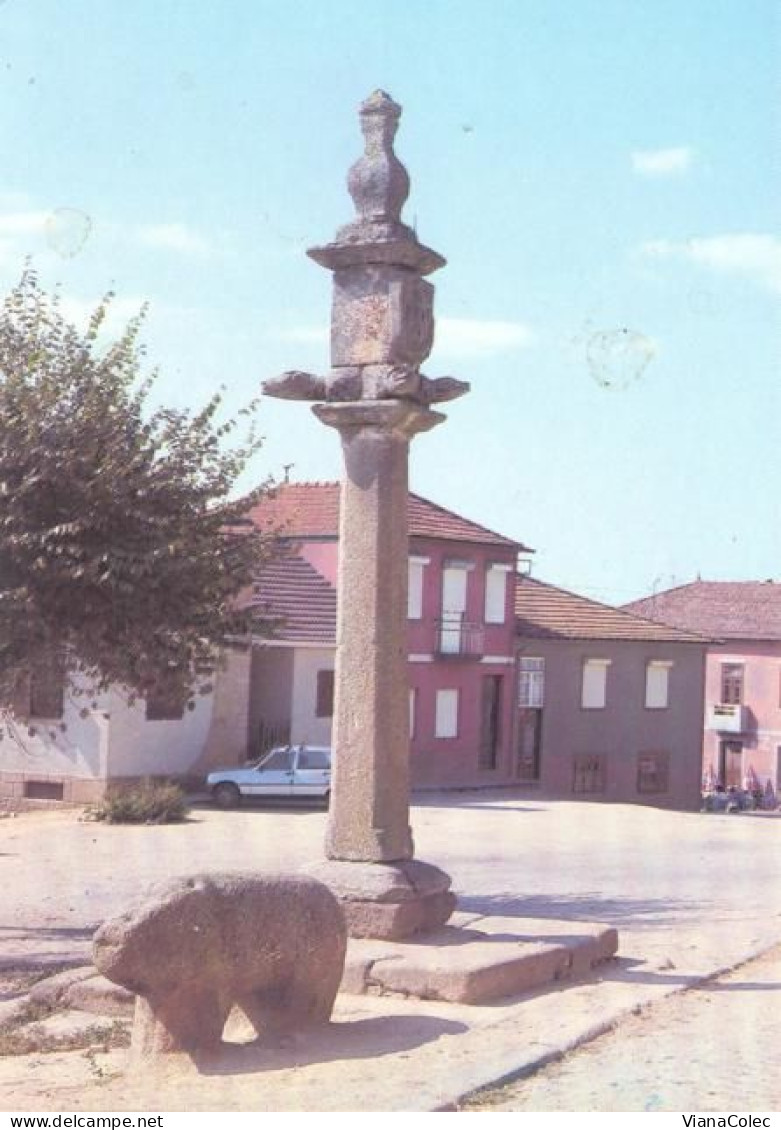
[
  {"x": 226, "y": 795},
  {"x": 327, "y": 798}
]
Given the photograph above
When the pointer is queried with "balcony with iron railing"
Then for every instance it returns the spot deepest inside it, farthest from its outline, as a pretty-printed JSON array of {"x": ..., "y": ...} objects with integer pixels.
[{"x": 456, "y": 639}]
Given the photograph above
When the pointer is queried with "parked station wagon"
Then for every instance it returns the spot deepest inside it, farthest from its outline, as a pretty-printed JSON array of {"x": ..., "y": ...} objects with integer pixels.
[{"x": 287, "y": 771}]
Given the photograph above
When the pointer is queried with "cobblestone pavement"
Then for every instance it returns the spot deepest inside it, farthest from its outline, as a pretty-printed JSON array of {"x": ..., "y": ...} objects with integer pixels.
[{"x": 709, "y": 1049}]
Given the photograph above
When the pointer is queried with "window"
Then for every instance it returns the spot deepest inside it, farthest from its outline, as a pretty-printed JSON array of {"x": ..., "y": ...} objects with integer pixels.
[
  {"x": 653, "y": 772},
  {"x": 594, "y": 689},
  {"x": 496, "y": 593},
  {"x": 657, "y": 684},
  {"x": 44, "y": 790},
  {"x": 413, "y": 703},
  {"x": 279, "y": 760},
  {"x": 40, "y": 694},
  {"x": 415, "y": 587},
  {"x": 314, "y": 759},
  {"x": 531, "y": 682},
  {"x": 46, "y": 693},
  {"x": 447, "y": 714},
  {"x": 732, "y": 683},
  {"x": 164, "y": 704},
  {"x": 454, "y": 577},
  {"x": 324, "y": 702},
  {"x": 588, "y": 773}
]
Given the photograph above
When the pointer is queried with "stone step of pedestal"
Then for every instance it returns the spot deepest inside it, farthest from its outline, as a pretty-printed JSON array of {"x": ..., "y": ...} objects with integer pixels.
[{"x": 481, "y": 960}]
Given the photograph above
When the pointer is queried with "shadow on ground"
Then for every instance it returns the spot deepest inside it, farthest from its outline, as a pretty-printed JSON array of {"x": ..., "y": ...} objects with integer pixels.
[
  {"x": 585, "y": 908},
  {"x": 287, "y": 805},
  {"x": 484, "y": 801},
  {"x": 365, "y": 1038}
]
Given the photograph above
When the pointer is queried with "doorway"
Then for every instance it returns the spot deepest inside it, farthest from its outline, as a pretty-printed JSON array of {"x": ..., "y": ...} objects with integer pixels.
[
  {"x": 731, "y": 764},
  {"x": 490, "y": 726},
  {"x": 529, "y": 743}
]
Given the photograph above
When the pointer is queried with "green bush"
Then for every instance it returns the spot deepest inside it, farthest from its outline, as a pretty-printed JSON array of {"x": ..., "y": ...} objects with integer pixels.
[{"x": 149, "y": 803}]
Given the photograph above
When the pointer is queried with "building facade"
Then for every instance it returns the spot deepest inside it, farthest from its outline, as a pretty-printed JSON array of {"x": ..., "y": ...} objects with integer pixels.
[
  {"x": 609, "y": 704},
  {"x": 279, "y": 688},
  {"x": 742, "y": 713},
  {"x": 73, "y": 747},
  {"x": 461, "y": 646}
]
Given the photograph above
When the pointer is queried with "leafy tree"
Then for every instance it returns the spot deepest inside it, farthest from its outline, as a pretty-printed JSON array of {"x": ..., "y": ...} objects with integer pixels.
[{"x": 123, "y": 553}]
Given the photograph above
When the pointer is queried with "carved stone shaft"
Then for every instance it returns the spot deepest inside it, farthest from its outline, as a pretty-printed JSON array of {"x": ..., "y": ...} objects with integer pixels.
[
  {"x": 382, "y": 329},
  {"x": 369, "y": 811}
]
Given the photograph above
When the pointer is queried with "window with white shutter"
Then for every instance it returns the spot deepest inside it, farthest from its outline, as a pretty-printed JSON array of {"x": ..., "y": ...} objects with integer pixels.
[
  {"x": 454, "y": 580},
  {"x": 594, "y": 690},
  {"x": 657, "y": 685},
  {"x": 496, "y": 593},
  {"x": 415, "y": 587},
  {"x": 447, "y": 714}
]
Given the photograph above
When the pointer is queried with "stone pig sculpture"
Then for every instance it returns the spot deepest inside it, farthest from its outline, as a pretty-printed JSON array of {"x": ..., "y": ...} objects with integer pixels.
[{"x": 194, "y": 947}]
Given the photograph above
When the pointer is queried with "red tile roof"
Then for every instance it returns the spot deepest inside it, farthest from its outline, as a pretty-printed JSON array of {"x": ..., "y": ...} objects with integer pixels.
[
  {"x": 747, "y": 610},
  {"x": 543, "y": 611},
  {"x": 296, "y": 602},
  {"x": 311, "y": 510},
  {"x": 300, "y": 510}
]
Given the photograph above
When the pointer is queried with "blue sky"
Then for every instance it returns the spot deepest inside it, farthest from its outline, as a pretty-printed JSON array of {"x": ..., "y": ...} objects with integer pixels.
[{"x": 602, "y": 177}]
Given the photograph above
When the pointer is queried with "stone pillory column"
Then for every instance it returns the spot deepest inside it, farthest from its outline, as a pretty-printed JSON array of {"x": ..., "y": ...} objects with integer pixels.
[{"x": 382, "y": 328}]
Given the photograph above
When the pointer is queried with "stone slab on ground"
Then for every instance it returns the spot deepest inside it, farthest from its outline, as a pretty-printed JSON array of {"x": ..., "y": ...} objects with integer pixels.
[
  {"x": 51, "y": 989},
  {"x": 485, "y": 960},
  {"x": 98, "y": 995},
  {"x": 11, "y": 1009}
]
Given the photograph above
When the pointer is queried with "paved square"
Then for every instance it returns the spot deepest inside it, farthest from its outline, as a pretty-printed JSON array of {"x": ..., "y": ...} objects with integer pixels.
[{"x": 689, "y": 893}]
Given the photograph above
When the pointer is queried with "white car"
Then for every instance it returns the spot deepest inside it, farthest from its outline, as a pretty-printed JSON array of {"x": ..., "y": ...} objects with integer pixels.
[{"x": 287, "y": 771}]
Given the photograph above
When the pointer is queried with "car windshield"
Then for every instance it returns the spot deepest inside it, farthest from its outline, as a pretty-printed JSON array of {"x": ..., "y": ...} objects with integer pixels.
[{"x": 278, "y": 759}]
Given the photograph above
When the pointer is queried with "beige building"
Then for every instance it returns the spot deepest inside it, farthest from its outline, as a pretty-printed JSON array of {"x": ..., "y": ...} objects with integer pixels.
[{"x": 74, "y": 746}]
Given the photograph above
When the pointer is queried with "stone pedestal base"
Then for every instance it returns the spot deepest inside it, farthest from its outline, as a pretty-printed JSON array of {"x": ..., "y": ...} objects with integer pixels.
[
  {"x": 388, "y": 900},
  {"x": 478, "y": 960}
]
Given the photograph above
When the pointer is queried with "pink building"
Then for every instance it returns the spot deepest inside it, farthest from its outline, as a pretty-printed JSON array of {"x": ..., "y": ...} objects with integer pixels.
[
  {"x": 742, "y": 723},
  {"x": 461, "y": 637}
]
